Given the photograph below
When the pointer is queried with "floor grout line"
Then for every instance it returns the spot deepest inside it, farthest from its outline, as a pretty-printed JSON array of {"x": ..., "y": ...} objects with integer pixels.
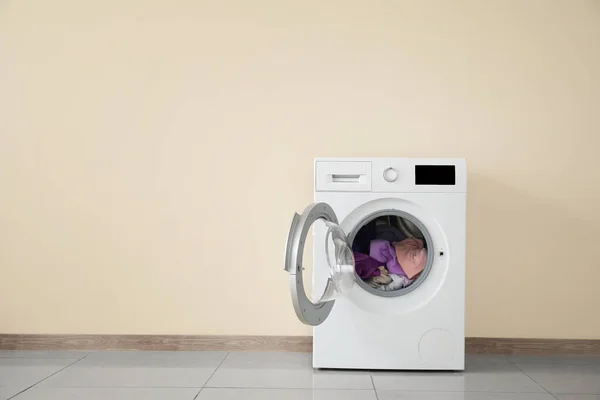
[
  {"x": 527, "y": 375},
  {"x": 214, "y": 372},
  {"x": 48, "y": 377},
  {"x": 374, "y": 388},
  {"x": 198, "y": 394}
]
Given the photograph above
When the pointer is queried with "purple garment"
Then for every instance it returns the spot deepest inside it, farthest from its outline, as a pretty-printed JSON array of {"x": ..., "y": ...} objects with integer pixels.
[
  {"x": 382, "y": 251},
  {"x": 365, "y": 266}
]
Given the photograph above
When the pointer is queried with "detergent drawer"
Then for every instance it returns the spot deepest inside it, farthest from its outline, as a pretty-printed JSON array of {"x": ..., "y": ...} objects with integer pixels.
[{"x": 343, "y": 176}]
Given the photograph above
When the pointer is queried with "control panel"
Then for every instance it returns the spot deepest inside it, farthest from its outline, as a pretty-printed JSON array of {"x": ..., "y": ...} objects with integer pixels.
[{"x": 391, "y": 175}]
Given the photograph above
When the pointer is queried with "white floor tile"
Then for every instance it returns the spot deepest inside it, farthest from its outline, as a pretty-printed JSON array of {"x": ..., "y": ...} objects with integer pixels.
[
  {"x": 555, "y": 360},
  {"x": 570, "y": 379},
  {"x": 462, "y": 396},
  {"x": 497, "y": 381},
  {"x": 23, "y": 372},
  {"x": 41, "y": 354},
  {"x": 283, "y": 370},
  {"x": 287, "y": 394},
  {"x": 107, "y": 394},
  {"x": 8, "y": 392},
  {"x": 139, "y": 369}
]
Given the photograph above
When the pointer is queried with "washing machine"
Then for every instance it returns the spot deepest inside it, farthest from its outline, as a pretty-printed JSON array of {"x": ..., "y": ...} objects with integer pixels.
[{"x": 358, "y": 324}]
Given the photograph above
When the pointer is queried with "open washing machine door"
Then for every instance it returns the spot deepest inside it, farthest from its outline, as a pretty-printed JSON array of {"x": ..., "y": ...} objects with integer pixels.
[{"x": 339, "y": 257}]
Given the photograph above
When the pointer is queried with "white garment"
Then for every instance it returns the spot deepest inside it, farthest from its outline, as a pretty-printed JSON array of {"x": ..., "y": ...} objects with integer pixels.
[{"x": 398, "y": 282}]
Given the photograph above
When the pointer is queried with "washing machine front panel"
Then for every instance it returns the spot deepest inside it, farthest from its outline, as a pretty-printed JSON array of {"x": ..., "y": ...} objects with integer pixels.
[
  {"x": 402, "y": 330},
  {"x": 338, "y": 256},
  {"x": 422, "y": 328}
]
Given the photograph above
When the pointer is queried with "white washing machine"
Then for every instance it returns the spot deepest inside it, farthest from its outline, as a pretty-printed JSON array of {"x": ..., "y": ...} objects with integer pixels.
[{"x": 358, "y": 325}]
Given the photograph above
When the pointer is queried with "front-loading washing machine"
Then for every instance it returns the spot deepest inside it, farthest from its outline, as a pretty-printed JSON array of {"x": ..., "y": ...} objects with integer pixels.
[{"x": 362, "y": 325}]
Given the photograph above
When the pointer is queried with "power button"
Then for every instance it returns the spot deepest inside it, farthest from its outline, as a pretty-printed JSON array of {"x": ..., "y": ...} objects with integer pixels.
[{"x": 390, "y": 174}]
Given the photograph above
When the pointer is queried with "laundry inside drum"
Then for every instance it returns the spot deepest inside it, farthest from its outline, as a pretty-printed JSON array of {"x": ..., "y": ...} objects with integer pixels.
[{"x": 392, "y": 253}]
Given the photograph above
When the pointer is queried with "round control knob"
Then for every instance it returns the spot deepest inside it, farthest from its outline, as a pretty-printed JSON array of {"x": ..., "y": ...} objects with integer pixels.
[{"x": 390, "y": 174}]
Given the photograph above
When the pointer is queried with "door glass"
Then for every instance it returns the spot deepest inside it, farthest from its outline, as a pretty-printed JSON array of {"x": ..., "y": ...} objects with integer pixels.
[
  {"x": 334, "y": 273},
  {"x": 340, "y": 261},
  {"x": 339, "y": 276},
  {"x": 312, "y": 293},
  {"x": 393, "y": 252}
]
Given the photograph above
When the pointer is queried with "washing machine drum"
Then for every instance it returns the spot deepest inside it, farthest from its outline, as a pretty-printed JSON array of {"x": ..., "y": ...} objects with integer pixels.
[{"x": 409, "y": 228}]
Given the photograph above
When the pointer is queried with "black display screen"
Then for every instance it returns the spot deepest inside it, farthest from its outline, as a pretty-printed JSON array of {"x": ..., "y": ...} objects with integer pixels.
[{"x": 435, "y": 175}]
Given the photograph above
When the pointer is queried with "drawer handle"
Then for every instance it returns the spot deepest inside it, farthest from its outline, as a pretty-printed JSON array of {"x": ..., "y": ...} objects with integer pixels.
[{"x": 339, "y": 178}]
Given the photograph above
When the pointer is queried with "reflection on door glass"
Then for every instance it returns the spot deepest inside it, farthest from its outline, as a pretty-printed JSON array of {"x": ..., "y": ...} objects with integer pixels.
[
  {"x": 337, "y": 267},
  {"x": 340, "y": 260},
  {"x": 308, "y": 262}
]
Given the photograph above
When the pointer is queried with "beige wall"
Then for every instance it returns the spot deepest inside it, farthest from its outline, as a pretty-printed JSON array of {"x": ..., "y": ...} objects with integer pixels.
[{"x": 152, "y": 153}]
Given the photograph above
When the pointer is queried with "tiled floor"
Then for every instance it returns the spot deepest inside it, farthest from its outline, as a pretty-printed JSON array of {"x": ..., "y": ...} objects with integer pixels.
[{"x": 287, "y": 376}]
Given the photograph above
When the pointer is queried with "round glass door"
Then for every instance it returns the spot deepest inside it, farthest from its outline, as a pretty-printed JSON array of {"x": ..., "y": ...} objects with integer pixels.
[{"x": 340, "y": 264}]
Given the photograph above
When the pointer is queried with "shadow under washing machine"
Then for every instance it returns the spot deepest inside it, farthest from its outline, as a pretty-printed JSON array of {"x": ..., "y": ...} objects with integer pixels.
[{"x": 388, "y": 263}]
